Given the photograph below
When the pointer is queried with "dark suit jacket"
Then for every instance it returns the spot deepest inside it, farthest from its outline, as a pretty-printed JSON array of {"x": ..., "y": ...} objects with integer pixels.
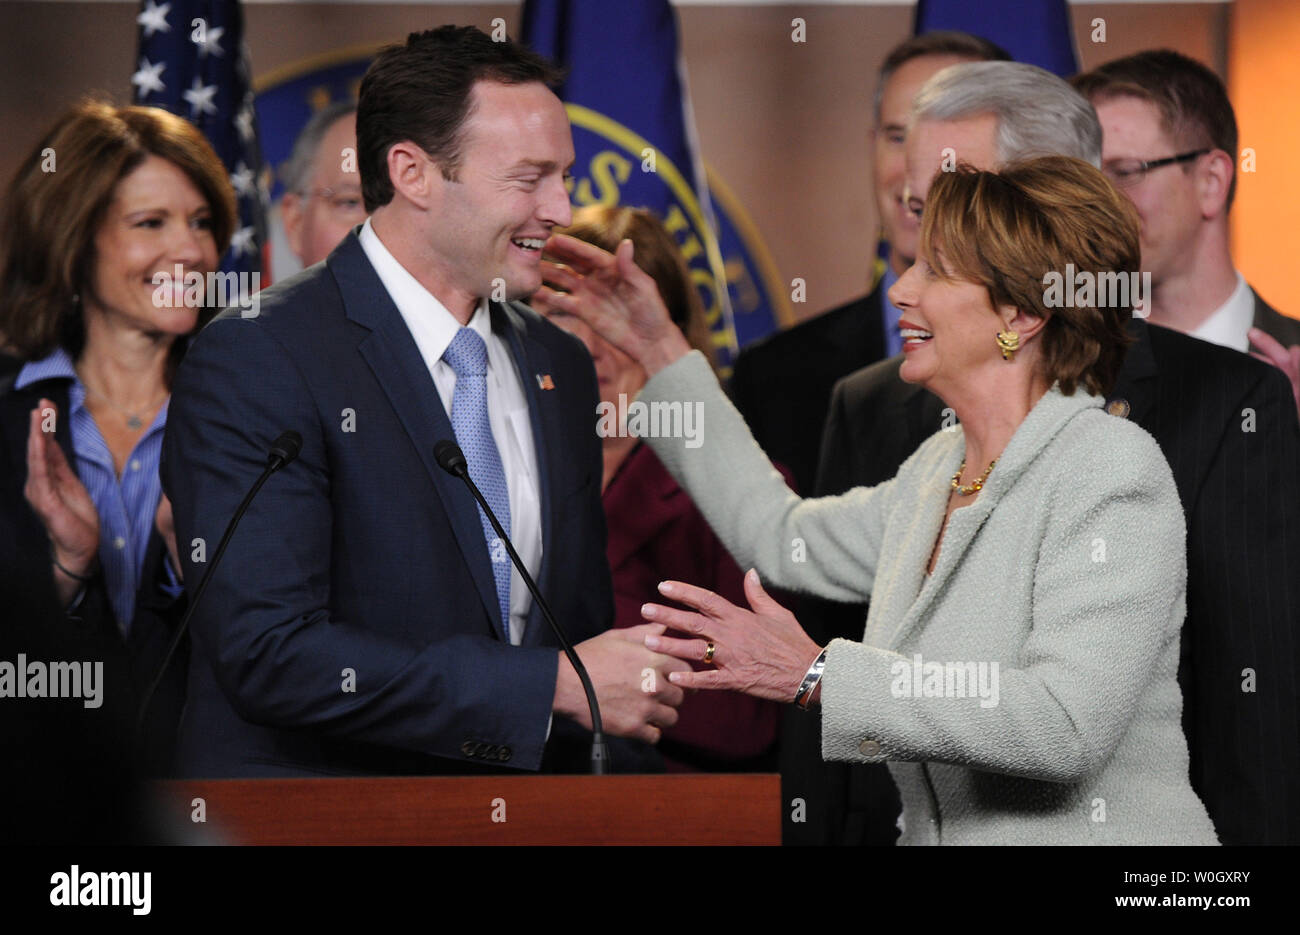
[
  {"x": 24, "y": 552},
  {"x": 782, "y": 384},
  {"x": 68, "y": 777},
  {"x": 656, "y": 534},
  {"x": 363, "y": 559},
  {"x": 9, "y": 367},
  {"x": 1227, "y": 425},
  {"x": 1274, "y": 323}
]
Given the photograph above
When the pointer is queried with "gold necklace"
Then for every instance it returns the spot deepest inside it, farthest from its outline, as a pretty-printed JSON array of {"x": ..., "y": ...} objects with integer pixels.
[{"x": 976, "y": 485}]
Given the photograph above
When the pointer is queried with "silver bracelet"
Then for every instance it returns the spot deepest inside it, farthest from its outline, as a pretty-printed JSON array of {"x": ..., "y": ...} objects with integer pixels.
[{"x": 810, "y": 682}]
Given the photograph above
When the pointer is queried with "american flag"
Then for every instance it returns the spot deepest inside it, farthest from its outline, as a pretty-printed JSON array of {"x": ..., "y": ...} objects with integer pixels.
[{"x": 192, "y": 62}]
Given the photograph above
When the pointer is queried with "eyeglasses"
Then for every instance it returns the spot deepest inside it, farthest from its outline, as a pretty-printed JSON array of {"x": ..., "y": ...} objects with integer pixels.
[
  {"x": 1126, "y": 173},
  {"x": 343, "y": 202}
]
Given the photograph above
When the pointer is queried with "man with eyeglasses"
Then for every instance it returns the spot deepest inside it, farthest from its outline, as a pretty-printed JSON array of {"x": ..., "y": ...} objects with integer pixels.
[
  {"x": 1169, "y": 142},
  {"x": 322, "y": 200}
]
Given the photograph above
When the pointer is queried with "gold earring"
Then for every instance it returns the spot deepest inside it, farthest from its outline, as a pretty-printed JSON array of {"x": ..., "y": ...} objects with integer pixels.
[{"x": 1008, "y": 343}]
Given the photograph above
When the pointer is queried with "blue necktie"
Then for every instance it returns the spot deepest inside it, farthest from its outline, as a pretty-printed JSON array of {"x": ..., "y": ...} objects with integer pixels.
[{"x": 467, "y": 356}]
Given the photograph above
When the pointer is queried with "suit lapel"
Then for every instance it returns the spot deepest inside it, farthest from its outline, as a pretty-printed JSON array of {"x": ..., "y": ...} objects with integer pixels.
[
  {"x": 1135, "y": 390},
  {"x": 1269, "y": 320},
  {"x": 533, "y": 362},
  {"x": 393, "y": 357},
  {"x": 15, "y": 427},
  {"x": 918, "y": 590},
  {"x": 1051, "y": 414},
  {"x": 63, "y": 428},
  {"x": 60, "y": 393},
  {"x": 902, "y": 602}
]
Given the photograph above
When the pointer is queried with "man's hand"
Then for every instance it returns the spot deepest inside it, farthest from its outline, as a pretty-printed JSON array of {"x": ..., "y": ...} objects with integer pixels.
[
  {"x": 615, "y": 297},
  {"x": 1285, "y": 359},
  {"x": 62, "y": 503},
  {"x": 631, "y": 682}
]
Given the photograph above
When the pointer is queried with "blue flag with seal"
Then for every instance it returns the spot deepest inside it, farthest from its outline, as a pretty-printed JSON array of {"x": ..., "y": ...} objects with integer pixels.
[
  {"x": 192, "y": 62},
  {"x": 635, "y": 145},
  {"x": 1037, "y": 32}
]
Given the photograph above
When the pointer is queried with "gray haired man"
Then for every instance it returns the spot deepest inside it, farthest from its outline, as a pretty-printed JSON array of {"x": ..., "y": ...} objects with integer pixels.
[{"x": 322, "y": 199}]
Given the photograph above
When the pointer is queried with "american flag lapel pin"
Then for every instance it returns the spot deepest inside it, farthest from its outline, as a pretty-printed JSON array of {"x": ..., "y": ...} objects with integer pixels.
[{"x": 545, "y": 382}]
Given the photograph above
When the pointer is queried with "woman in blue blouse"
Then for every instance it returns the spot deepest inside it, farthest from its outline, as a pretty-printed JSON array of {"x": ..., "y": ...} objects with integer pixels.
[{"x": 106, "y": 230}]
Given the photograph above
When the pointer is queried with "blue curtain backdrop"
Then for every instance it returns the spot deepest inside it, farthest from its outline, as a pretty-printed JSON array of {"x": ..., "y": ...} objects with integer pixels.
[
  {"x": 1033, "y": 31},
  {"x": 635, "y": 142}
]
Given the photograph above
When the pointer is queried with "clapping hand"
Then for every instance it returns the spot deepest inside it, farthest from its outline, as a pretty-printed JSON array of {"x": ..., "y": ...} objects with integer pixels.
[{"x": 61, "y": 502}]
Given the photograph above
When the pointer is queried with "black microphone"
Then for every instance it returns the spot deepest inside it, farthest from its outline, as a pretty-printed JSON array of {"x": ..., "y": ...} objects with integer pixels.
[
  {"x": 283, "y": 451},
  {"x": 452, "y": 460}
]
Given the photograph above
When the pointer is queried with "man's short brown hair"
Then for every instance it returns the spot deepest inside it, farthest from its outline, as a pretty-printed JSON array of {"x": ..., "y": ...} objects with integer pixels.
[
  {"x": 1195, "y": 112},
  {"x": 1007, "y": 230},
  {"x": 420, "y": 92}
]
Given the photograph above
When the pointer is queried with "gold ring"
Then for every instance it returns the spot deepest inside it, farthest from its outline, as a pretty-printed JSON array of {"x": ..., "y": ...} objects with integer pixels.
[{"x": 708, "y": 653}]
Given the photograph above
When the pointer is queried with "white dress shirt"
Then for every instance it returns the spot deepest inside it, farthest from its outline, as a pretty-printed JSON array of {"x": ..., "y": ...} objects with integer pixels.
[
  {"x": 1230, "y": 322},
  {"x": 433, "y": 328}
]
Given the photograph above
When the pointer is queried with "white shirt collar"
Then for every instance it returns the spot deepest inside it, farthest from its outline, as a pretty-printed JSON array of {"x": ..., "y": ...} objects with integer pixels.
[
  {"x": 1231, "y": 321},
  {"x": 429, "y": 321}
]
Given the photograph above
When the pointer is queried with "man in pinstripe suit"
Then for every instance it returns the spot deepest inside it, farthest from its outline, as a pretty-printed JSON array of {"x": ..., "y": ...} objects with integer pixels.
[
  {"x": 1225, "y": 422},
  {"x": 1169, "y": 139}
]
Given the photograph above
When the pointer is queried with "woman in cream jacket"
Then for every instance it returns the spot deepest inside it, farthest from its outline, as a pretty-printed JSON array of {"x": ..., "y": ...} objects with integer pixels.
[{"x": 1026, "y": 568}]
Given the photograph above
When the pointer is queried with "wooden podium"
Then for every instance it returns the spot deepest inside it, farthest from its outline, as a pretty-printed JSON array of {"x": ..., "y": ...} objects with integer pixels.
[{"x": 636, "y": 810}]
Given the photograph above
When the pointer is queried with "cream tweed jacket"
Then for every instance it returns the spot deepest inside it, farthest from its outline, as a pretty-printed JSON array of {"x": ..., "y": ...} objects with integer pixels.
[{"x": 1068, "y": 572}]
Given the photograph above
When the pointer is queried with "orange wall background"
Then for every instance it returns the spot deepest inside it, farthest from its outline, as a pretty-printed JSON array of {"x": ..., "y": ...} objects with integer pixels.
[{"x": 1264, "y": 77}]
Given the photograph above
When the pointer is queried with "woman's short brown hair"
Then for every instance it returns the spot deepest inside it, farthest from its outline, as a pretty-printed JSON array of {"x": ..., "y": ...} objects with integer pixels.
[
  {"x": 655, "y": 251},
  {"x": 58, "y": 199},
  {"x": 1010, "y": 230}
]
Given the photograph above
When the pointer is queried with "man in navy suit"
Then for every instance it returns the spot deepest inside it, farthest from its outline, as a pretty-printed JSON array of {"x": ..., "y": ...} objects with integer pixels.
[{"x": 364, "y": 619}]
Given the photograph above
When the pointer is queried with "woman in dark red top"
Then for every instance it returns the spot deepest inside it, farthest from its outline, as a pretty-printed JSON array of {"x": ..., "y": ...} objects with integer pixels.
[{"x": 655, "y": 531}]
